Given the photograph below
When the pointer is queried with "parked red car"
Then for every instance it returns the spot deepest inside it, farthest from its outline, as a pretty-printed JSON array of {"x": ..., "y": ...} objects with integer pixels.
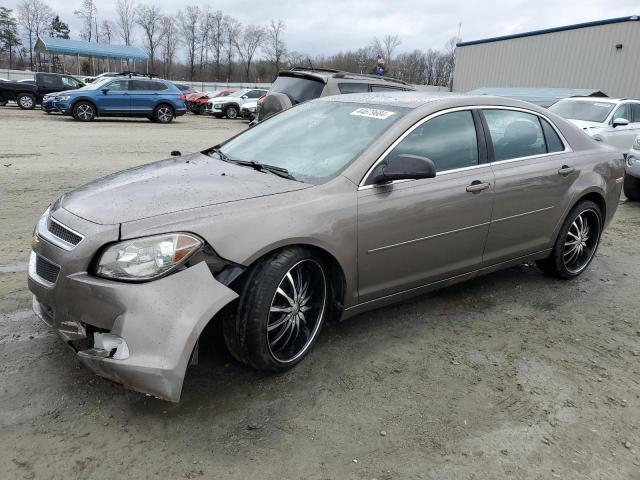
[{"x": 197, "y": 101}]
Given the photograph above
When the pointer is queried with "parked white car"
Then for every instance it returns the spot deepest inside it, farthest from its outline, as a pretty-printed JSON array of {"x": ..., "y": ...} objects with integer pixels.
[
  {"x": 632, "y": 172},
  {"x": 230, "y": 106},
  {"x": 609, "y": 120}
]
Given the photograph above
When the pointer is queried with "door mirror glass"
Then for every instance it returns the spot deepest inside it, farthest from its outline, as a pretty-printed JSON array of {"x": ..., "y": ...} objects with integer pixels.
[
  {"x": 404, "y": 167},
  {"x": 105, "y": 90},
  {"x": 619, "y": 122},
  {"x": 244, "y": 97}
]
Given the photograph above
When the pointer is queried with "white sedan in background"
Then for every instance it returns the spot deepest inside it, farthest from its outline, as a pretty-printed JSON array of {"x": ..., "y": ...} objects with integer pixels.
[{"x": 609, "y": 120}]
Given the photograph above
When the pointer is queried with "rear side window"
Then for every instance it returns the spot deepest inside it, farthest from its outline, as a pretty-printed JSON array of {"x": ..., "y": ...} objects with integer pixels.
[
  {"x": 298, "y": 89},
  {"x": 554, "y": 144},
  {"x": 384, "y": 88},
  {"x": 49, "y": 80},
  {"x": 515, "y": 134},
  {"x": 147, "y": 85},
  {"x": 449, "y": 140},
  {"x": 255, "y": 93},
  {"x": 353, "y": 87}
]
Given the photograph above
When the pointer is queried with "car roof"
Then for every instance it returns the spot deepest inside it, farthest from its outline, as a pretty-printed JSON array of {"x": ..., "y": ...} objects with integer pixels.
[
  {"x": 329, "y": 73},
  {"x": 603, "y": 100},
  {"x": 400, "y": 98}
]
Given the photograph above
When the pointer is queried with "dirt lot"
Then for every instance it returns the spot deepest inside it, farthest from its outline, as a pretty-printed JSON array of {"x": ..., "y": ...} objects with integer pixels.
[{"x": 511, "y": 376}]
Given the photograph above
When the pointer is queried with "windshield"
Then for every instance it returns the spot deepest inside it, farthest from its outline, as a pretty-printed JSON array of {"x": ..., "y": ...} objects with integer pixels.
[
  {"x": 298, "y": 89},
  {"x": 238, "y": 93},
  {"x": 96, "y": 83},
  {"x": 582, "y": 110},
  {"x": 314, "y": 141}
]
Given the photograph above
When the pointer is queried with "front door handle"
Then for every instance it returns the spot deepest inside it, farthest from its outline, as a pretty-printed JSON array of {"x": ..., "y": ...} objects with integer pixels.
[
  {"x": 477, "y": 186},
  {"x": 566, "y": 170}
]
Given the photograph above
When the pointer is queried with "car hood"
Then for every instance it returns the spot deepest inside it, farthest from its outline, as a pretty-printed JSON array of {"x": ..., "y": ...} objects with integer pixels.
[
  {"x": 585, "y": 125},
  {"x": 169, "y": 186}
]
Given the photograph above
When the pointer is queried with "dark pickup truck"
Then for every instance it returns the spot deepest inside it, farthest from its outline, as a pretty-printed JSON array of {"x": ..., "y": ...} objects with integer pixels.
[{"x": 28, "y": 94}]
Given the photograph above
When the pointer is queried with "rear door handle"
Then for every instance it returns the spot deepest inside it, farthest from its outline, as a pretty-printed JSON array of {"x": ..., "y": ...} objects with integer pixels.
[
  {"x": 477, "y": 186},
  {"x": 566, "y": 170}
]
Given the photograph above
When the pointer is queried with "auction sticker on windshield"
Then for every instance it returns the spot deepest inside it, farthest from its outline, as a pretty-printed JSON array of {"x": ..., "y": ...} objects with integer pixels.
[{"x": 372, "y": 113}]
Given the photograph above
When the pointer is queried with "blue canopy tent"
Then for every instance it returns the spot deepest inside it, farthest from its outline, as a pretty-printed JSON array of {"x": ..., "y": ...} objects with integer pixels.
[{"x": 80, "y": 48}]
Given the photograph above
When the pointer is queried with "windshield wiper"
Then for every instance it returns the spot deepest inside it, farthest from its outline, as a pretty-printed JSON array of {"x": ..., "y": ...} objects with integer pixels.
[
  {"x": 261, "y": 167},
  {"x": 219, "y": 153}
]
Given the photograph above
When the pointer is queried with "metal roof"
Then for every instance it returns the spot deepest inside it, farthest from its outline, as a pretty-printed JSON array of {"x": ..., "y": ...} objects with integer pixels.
[
  {"x": 576, "y": 26},
  {"x": 544, "y": 97},
  {"x": 88, "y": 49}
]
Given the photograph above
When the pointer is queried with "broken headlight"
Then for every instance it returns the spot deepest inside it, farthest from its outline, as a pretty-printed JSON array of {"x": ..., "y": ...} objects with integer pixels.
[{"x": 147, "y": 258}]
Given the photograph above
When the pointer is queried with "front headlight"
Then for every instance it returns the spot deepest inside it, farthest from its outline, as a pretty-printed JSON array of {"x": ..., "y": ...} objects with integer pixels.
[
  {"x": 636, "y": 143},
  {"x": 218, "y": 106},
  {"x": 62, "y": 98},
  {"x": 147, "y": 258}
]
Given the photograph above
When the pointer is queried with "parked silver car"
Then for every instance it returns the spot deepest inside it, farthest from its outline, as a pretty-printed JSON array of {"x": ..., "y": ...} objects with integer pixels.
[{"x": 335, "y": 207}]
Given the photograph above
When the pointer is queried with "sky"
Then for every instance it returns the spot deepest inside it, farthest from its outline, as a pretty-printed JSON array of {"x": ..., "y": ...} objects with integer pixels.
[{"x": 326, "y": 27}]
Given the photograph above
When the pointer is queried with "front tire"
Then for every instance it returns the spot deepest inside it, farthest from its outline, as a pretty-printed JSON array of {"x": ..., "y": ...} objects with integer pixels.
[
  {"x": 631, "y": 187},
  {"x": 163, "y": 114},
  {"x": 26, "y": 101},
  {"x": 231, "y": 112},
  {"x": 577, "y": 242},
  {"x": 283, "y": 305},
  {"x": 84, "y": 112}
]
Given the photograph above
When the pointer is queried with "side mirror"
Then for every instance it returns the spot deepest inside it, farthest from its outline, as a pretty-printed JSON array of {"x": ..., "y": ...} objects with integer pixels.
[
  {"x": 244, "y": 97},
  {"x": 619, "y": 122},
  {"x": 105, "y": 91},
  {"x": 404, "y": 167}
]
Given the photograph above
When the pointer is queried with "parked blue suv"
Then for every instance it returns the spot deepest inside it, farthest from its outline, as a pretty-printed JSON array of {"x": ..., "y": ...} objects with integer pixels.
[{"x": 123, "y": 96}]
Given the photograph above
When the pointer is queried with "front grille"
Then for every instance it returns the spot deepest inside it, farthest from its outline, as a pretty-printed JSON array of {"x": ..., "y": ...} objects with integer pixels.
[
  {"x": 63, "y": 233},
  {"x": 46, "y": 270}
]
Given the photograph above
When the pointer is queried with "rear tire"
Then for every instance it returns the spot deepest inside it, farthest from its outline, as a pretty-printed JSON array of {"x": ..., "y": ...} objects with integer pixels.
[
  {"x": 26, "y": 101},
  {"x": 231, "y": 112},
  {"x": 84, "y": 112},
  {"x": 283, "y": 304},
  {"x": 163, "y": 114},
  {"x": 632, "y": 187},
  {"x": 201, "y": 110},
  {"x": 576, "y": 244}
]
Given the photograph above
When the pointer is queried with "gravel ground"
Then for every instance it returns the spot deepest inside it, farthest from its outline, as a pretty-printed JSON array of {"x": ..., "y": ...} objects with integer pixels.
[{"x": 512, "y": 376}]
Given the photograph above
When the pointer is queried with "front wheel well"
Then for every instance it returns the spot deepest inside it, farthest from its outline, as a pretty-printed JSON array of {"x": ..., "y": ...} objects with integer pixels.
[{"x": 73, "y": 105}]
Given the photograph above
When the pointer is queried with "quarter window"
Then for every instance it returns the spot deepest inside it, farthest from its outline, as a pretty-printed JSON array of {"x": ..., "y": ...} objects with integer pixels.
[
  {"x": 635, "y": 112},
  {"x": 554, "y": 144},
  {"x": 514, "y": 134},
  {"x": 449, "y": 140}
]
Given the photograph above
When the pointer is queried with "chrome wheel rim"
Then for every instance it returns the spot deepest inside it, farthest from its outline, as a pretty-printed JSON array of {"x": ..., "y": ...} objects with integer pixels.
[
  {"x": 26, "y": 102},
  {"x": 296, "y": 311},
  {"x": 581, "y": 241},
  {"x": 232, "y": 113},
  {"x": 164, "y": 114},
  {"x": 84, "y": 112}
]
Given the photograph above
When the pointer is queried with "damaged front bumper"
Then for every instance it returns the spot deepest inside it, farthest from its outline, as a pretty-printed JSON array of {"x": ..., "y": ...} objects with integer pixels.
[{"x": 140, "y": 335}]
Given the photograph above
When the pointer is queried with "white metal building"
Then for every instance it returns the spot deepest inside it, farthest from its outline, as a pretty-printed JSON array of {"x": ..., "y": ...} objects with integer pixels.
[{"x": 602, "y": 55}]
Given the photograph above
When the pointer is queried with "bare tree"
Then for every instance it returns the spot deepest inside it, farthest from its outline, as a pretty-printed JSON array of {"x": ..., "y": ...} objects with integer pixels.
[
  {"x": 126, "y": 12},
  {"x": 149, "y": 17},
  {"x": 247, "y": 43},
  {"x": 34, "y": 16},
  {"x": 188, "y": 24},
  {"x": 88, "y": 13},
  {"x": 169, "y": 43},
  {"x": 233, "y": 29},
  {"x": 216, "y": 40},
  {"x": 205, "y": 25},
  {"x": 274, "y": 45},
  {"x": 106, "y": 31}
]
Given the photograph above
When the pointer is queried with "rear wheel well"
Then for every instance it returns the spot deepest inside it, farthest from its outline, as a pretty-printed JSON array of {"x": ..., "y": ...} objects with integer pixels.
[{"x": 598, "y": 199}]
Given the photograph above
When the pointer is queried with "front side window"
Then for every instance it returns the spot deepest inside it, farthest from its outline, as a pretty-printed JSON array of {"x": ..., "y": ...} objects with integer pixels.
[
  {"x": 514, "y": 134},
  {"x": 623, "y": 111},
  {"x": 70, "y": 82},
  {"x": 314, "y": 141},
  {"x": 635, "y": 112},
  {"x": 118, "y": 86},
  {"x": 448, "y": 140},
  {"x": 49, "y": 80}
]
